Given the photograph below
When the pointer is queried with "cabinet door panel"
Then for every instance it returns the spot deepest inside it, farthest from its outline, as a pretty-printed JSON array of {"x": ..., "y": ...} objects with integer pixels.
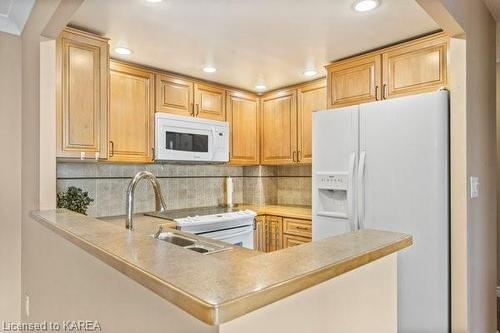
[
  {"x": 297, "y": 227},
  {"x": 274, "y": 226},
  {"x": 243, "y": 117},
  {"x": 415, "y": 67},
  {"x": 131, "y": 115},
  {"x": 291, "y": 240},
  {"x": 174, "y": 95},
  {"x": 82, "y": 65},
  {"x": 259, "y": 236},
  {"x": 354, "y": 81},
  {"x": 279, "y": 128},
  {"x": 209, "y": 102},
  {"x": 311, "y": 97}
]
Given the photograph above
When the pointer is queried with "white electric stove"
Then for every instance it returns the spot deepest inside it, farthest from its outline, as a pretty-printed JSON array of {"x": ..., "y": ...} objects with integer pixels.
[{"x": 224, "y": 224}]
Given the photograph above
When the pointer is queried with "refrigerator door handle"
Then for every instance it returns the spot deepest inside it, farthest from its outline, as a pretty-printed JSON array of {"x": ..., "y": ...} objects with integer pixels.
[
  {"x": 350, "y": 195},
  {"x": 361, "y": 190}
]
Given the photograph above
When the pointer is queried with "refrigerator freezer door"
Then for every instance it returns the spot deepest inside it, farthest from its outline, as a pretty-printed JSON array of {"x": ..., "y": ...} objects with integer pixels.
[
  {"x": 335, "y": 151},
  {"x": 406, "y": 189}
]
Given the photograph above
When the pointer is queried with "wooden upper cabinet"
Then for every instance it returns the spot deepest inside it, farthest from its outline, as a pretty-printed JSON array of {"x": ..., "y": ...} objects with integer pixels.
[
  {"x": 354, "y": 81},
  {"x": 279, "y": 127},
  {"x": 310, "y": 97},
  {"x": 409, "y": 68},
  {"x": 209, "y": 101},
  {"x": 131, "y": 113},
  {"x": 244, "y": 126},
  {"x": 415, "y": 67},
  {"x": 82, "y": 95},
  {"x": 174, "y": 95}
]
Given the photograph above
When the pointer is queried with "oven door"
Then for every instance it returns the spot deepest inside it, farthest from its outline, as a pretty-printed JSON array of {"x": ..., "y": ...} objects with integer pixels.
[
  {"x": 238, "y": 236},
  {"x": 177, "y": 140}
]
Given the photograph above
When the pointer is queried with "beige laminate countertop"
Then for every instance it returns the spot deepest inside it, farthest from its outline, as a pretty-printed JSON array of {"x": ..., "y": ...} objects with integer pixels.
[
  {"x": 297, "y": 212},
  {"x": 218, "y": 288}
]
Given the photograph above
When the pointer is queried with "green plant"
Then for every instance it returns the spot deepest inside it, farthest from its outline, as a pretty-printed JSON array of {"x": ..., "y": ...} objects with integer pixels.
[{"x": 74, "y": 199}]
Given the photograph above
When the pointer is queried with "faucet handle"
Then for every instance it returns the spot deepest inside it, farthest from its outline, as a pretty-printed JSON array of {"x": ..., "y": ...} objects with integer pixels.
[{"x": 158, "y": 233}]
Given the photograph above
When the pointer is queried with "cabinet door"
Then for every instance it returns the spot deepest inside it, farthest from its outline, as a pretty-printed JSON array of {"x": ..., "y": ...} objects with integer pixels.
[
  {"x": 297, "y": 227},
  {"x": 279, "y": 128},
  {"x": 415, "y": 67},
  {"x": 174, "y": 95},
  {"x": 259, "y": 236},
  {"x": 82, "y": 95},
  {"x": 311, "y": 97},
  {"x": 274, "y": 226},
  {"x": 243, "y": 117},
  {"x": 131, "y": 114},
  {"x": 354, "y": 81},
  {"x": 291, "y": 240},
  {"x": 209, "y": 102}
]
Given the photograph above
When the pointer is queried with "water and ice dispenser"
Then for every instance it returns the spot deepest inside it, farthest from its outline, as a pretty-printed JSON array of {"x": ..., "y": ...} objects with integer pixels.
[{"x": 333, "y": 194}]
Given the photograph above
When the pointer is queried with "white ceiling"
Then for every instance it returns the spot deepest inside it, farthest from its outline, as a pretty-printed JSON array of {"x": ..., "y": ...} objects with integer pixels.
[
  {"x": 247, "y": 41},
  {"x": 14, "y": 14}
]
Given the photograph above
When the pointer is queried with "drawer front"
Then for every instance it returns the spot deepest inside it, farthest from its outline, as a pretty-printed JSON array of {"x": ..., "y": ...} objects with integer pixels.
[
  {"x": 297, "y": 227},
  {"x": 292, "y": 240}
]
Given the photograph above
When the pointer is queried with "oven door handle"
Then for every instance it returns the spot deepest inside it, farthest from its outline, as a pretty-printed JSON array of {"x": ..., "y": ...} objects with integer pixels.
[{"x": 226, "y": 236}]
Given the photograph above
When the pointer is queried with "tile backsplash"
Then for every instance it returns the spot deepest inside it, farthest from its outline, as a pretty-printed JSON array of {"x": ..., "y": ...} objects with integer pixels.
[{"x": 185, "y": 186}]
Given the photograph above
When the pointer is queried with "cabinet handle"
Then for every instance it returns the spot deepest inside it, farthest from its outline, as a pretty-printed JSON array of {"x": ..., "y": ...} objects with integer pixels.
[
  {"x": 112, "y": 148},
  {"x": 302, "y": 228},
  {"x": 152, "y": 154},
  {"x": 293, "y": 156},
  {"x": 384, "y": 87},
  {"x": 376, "y": 93},
  {"x": 197, "y": 109},
  {"x": 191, "y": 106}
]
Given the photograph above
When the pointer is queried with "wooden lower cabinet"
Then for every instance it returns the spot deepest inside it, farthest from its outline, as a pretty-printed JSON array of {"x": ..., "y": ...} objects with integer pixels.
[
  {"x": 292, "y": 240},
  {"x": 275, "y": 233},
  {"x": 274, "y": 225},
  {"x": 259, "y": 236},
  {"x": 131, "y": 114}
]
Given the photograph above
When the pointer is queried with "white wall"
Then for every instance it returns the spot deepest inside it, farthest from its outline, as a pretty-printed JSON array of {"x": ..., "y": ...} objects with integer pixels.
[
  {"x": 10, "y": 176},
  {"x": 479, "y": 27}
]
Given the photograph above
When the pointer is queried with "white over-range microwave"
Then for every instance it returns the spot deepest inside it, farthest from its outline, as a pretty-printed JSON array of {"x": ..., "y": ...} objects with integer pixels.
[{"x": 189, "y": 139}]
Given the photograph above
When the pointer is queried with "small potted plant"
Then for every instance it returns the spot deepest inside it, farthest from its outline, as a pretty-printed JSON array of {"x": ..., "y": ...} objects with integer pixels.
[{"x": 74, "y": 199}]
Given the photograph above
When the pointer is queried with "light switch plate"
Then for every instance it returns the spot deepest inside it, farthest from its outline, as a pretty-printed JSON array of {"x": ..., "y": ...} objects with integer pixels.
[{"x": 474, "y": 187}]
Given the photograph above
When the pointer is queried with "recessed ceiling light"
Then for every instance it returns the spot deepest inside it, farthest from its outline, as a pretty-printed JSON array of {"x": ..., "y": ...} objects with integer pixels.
[
  {"x": 209, "y": 69},
  {"x": 260, "y": 86},
  {"x": 310, "y": 72},
  {"x": 123, "y": 50},
  {"x": 154, "y": 1},
  {"x": 365, "y": 5}
]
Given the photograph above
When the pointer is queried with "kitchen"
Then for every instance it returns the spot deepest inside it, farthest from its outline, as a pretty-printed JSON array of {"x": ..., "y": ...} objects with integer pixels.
[{"x": 226, "y": 153}]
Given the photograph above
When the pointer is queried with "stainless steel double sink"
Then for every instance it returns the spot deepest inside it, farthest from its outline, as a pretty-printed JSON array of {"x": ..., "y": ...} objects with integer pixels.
[{"x": 189, "y": 243}]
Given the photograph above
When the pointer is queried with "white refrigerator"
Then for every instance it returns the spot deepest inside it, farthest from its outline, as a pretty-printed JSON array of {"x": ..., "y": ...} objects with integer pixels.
[{"x": 385, "y": 165}]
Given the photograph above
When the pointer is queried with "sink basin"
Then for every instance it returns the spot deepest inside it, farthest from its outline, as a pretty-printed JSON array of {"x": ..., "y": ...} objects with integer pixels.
[
  {"x": 193, "y": 244},
  {"x": 175, "y": 239}
]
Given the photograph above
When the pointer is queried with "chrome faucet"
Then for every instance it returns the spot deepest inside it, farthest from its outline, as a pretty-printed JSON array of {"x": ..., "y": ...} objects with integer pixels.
[{"x": 160, "y": 202}]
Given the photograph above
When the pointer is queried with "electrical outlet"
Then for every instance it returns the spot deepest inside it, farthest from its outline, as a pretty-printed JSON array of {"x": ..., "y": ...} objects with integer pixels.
[
  {"x": 474, "y": 187},
  {"x": 27, "y": 304}
]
